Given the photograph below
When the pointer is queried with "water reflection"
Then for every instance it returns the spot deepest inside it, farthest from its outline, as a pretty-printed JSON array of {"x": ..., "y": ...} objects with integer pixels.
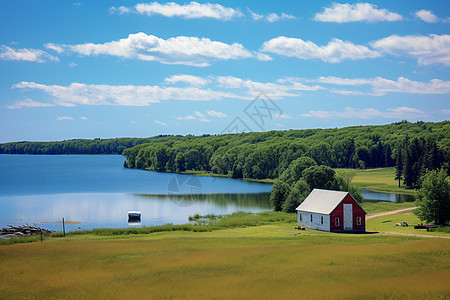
[
  {"x": 391, "y": 197},
  {"x": 111, "y": 210}
]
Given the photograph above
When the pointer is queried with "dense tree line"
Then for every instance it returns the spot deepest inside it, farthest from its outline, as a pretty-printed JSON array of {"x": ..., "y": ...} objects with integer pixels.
[
  {"x": 267, "y": 154},
  {"x": 410, "y": 146},
  {"x": 80, "y": 146},
  {"x": 415, "y": 157}
]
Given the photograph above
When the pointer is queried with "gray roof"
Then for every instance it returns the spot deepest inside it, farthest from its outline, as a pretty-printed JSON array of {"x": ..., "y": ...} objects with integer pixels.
[{"x": 322, "y": 201}]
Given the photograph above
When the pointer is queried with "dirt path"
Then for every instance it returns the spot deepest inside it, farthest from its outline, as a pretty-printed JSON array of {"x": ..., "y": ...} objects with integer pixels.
[
  {"x": 370, "y": 216},
  {"x": 419, "y": 235}
]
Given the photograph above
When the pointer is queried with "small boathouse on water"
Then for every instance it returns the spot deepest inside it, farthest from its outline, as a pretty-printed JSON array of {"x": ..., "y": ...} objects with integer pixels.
[{"x": 331, "y": 211}]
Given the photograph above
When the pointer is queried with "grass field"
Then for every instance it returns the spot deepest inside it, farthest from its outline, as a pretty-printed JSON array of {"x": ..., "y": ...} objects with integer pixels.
[
  {"x": 380, "y": 180},
  {"x": 242, "y": 256},
  {"x": 382, "y": 206},
  {"x": 264, "y": 261}
]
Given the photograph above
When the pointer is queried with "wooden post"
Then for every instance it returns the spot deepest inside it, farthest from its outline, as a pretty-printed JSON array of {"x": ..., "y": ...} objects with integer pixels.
[
  {"x": 41, "y": 235},
  {"x": 64, "y": 229}
]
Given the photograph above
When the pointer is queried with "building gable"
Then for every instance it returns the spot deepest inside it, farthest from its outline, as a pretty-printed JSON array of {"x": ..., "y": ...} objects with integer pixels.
[{"x": 322, "y": 201}]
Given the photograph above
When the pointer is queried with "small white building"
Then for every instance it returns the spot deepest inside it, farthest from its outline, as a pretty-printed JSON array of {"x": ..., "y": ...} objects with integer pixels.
[{"x": 331, "y": 211}]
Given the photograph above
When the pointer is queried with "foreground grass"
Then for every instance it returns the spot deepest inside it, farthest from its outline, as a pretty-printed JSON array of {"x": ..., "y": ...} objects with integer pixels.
[
  {"x": 251, "y": 256},
  {"x": 379, "y": 180},
  {"x": 388, "y": 224},
  {"x": 267, "y": 261}
]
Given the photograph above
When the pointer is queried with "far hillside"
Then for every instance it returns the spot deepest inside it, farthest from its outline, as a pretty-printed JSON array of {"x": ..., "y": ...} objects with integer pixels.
[{"x": 262, "y": 155}]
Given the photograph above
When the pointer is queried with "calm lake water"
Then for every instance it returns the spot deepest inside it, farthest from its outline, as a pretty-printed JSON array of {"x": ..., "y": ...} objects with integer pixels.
[
  {"x": 96, "y": 191},
  {"x": 379, "y": 196}
]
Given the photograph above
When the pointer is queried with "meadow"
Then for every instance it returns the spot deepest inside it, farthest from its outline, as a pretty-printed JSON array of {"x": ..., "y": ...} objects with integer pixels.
[
  {"x": 268, "y": 260},
  {"x": 379, "y": 180}
]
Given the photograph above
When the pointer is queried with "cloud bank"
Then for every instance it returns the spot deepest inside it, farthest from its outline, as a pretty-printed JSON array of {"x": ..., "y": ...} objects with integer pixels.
[{"x": 359, "y": 12}]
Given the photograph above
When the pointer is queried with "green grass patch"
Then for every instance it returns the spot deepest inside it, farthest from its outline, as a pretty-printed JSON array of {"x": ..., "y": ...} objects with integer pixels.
[
  {"x": 379, "y": 180},
  {"x": 199, "y": 224},
  {"x": 445, "y": 229},
  {"x": 21, "y": 239},
  {"x": 388, "y": 224},
  {"x": 381, "y": 206}
]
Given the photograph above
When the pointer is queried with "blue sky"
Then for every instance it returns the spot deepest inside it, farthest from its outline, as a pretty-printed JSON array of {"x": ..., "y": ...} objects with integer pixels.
[{"x": 134, "y": 69}]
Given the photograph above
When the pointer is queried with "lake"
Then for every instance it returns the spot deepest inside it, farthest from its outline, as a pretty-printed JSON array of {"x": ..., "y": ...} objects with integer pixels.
[
  {"x": 390, "y": 197},
  {"x": 93, "y": 191}
]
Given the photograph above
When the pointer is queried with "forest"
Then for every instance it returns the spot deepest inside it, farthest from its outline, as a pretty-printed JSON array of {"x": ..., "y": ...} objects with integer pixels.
[
  {"x": 79, "y": 146},
  {"x": 411, "y": 147},
  {"x": 261, "y": 155},
  {"x": 298, "y": 160}
]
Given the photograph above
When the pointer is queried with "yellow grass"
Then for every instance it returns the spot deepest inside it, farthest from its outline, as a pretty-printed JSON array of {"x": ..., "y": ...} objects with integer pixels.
[{"x": 271, "y": 261}]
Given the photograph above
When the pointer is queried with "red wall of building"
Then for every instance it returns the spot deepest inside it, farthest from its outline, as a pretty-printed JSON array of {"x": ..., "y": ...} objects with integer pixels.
[{"x": 338, "y": 212}]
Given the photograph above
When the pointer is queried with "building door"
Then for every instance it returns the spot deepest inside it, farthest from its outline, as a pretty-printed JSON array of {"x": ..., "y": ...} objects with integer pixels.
[{"x": 348, "y": 217}]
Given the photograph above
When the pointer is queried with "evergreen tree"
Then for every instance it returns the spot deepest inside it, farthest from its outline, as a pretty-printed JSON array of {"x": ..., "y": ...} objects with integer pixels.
[{"x": 399, "y": 165}]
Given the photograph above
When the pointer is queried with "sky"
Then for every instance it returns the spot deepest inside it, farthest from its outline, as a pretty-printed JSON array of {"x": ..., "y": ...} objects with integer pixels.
[{"x": 106, "y": 69}]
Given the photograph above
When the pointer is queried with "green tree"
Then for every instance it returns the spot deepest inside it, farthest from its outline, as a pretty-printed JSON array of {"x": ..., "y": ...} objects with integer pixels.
[
  {"x": 280, "y": 190},
  {"x": 294, "y": 172},
  {"x": 321, "y": 177},
  {"x": 298, "y": 193},
  {"x": 434, "y": 197},
  {"x": 399, "y": 166}
]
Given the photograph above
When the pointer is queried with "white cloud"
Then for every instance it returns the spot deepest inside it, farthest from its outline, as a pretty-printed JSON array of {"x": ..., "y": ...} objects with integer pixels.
[
  {"x": 283, "y": 88},
  {"x": 72, "y": 64},
  {"x": 160, "y": 123},
  {"x": 368, "y": 113},
  {"x": 54, "y": 47},
  {"x": 25, "y": 54},
  {"x": 380, "y": 86},
  {"x": 343, "y": 13},
  {"x": 255, "y": 16},
  {"x": 28, "y": 103},
  {"x": 120, "y": 10},
  {"x": 427, "y": 16},
  {"x": 84, "y": 118},
  {"x": 335, "y": 51},
  {"x": 219, "y": 88},
  {"x": 283, "y": 116},
  {"x": 432, "y": 49},
  {"x": 190, "y": 79},
  {"x": 192, "y": 10},
  {"x": 183, "y": 50},
  {"x": 263, "y": 57},
  {"x": 445, "y": 111},
  {"x": 127, "y": 95},
  {"x": 198, "y": 116},
  {"x": 271, "y": 17},
  {"x": 188, "y": 117},
  {"x": 216, "y": 114},
  {"x": 62, "y": 118}
]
